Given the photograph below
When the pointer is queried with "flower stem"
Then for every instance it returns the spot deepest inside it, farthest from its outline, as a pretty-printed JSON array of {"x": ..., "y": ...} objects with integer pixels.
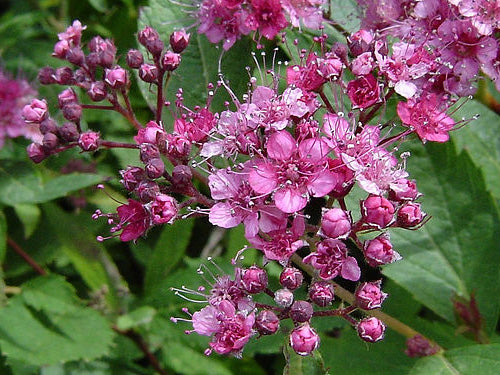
[{"x": 15, "y": 246}]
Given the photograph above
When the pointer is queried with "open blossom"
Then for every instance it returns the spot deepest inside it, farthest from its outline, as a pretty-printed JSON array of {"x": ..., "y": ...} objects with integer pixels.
[
  {"x": 293, "y": 172},
  {"x": 134, "y": 220}
]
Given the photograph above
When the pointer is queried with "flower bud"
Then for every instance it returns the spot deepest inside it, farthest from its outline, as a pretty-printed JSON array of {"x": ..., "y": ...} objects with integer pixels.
[
  {"x": 69, "y": 132},
  {"x": 46, "y": 76},
  {"x": 36, "y": 152},
  {"x": 48, "y": 126},
  {"x": 148, "y": 151},
  {"x": 181, "y": 177},
  {"x": 403, "y": 190},
  {"x": 131, "y": 177},
  {"x": 147, "y": 190},
  {"x": 72, "y": 112},
  {"x": 50, "y": 142},
  {"x": 66, "y": 97},
  {"x": 336, "y": 223},
  {"x": 89, "y": 141},
  {"x": 179, "y": 40},
  {"x": 419, "y": 346},
  {"x": 410, "y": 215},
  {"x": 267, "y": 323},
  {"x": 379, "y": 251},
  {"x": 92, "y": 60},
  {"x": 283, "y": 297},
  {"x": 97, "y": 91},
  {"x": 371, "y": 329},
  {"x": 64, "y": 75},
  {"x": 321, "y": 293},
  {"x": 60, "y": 49},
  {"x": 377, "y": 211},
  {"x": 178, "y": 146},
  {"x": 35, "y": 112},
  {"x": 304, "y": 339},
  {"x": 301, "y": 311},
  {"x": 171, "y": 60},
  {"x": 148, "y": 73},
  {"x": 75, "y": 56},
  {"x": 116, "y": 77},
  {"x": 291, "y": 278},
  {"x": 155, "y": 168},
  {"x": 254, "y": 280},
  {"x": 134, "y": 58},
  {"x": 369, "y": 296},
  {"x": 163, "y": 209},
  {"x": 147, "y": 36}
]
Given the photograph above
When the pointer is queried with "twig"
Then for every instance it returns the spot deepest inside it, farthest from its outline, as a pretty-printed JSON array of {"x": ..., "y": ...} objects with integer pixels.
[{"x": 26, "y": 257}]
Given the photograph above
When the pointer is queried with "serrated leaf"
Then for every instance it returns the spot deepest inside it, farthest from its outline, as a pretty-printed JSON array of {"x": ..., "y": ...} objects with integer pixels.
[
  {"x": 169, "y": 250},
  {"x": 37, "y": 334},
  {"x": 29, "y": 215},
  {"x": 470, "y": 360},
  {"x": 21, "y": 183},
  {"x": 456, "y": 252},
  {"x": 141, "y": 316}
]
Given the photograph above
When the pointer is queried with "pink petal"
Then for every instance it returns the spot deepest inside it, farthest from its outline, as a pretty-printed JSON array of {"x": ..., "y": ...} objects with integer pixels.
[
  {"x": 222, "y": 215},
  {"x": 322, "y": 184},
  {"x": 263, "y": 178},
  {"x": 350, "y": 269},
  {"x": 289, "y": 200},
  {"x": 281, "y": 145},
  {"x": 313, "y": 150}
]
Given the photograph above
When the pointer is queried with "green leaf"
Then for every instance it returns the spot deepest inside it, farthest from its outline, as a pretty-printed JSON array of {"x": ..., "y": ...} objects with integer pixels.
[
  {"x": 470, "y": 360},
  {"x": 99, "y": 5},
  {"x": 21, "y": 183},
  {"x": 141, "y": 316},
  {"x": 29, "y": 215},
  {"x": 199, "y": 65},
  {"x": 47, "y": 324},
  {"x": 456, "y": 251},
  {"x": 169, "y": 250},
  {"x": 105, "y": 366},
  {"x": 302, "y": 365},
  {"x": 481, "y": 139},
  {"x": 3, "y": 236}
]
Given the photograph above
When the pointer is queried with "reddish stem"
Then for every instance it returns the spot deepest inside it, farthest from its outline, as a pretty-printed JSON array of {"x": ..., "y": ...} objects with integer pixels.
[
  {"x": 13, "y": 244},
  {"x": 111, "y": 144}
]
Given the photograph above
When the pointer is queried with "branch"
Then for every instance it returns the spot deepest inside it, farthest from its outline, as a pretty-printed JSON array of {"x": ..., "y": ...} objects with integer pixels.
[{"x": 26, "y": 257}]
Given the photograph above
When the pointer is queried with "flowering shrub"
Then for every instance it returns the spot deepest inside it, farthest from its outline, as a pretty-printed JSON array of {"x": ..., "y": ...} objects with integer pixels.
[{"x": 308, "y": 167}]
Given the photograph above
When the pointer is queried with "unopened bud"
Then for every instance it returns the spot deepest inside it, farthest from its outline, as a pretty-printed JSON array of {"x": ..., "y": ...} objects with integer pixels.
[
  {"x": 134, "y": 58},
  {"x": 46, "y": 76},
  {"x": 369, "y": 296},
  {"x": 64, "y": 75},
  {"x": 72, "y": 112},
  {"x": 419, "y": 346},
  {"x": 283, "y": 297},
  {"x": 60, "y": 49},
  {"x": 301, "y": 311},
  {"x": 75, "y": 56},
  {"x": 116, "y": 77},
  {"x": 155, "y": 47},
  {"x": 179, "y": 40},
  {"x": 148, "y": 73},
  {"x": 147, "y": 190},
  {"x": 66, "y": 97},
  {"x": 336, "y": 223},
  {"x": 131, "y": 177},
  {"x": 50, "y": 142},
  {"x": 35, "y": 112},
  {"x": 403, "y": 190},
  {"x": 291, "y": 278},
  {"x": 303, "y": 339},
  {"x": 267, "y": 322},
  {"x": 379, "y": 251},
  {"x": 148, "y": 151},
  {"x": 254, "y": 279},
  {"x": 377, "y": 211},
  {"x": 48, "y": 126},
  {"x": 371, "y": 329},
  {"x": 181, "y": 176},
  {"x": 97, "y": 91},
  {"x": 36, "y": 152},
  {"x": 147, "y": 35},
  {"x": 163, "y": 209},
  {"x": 171, "y": 60},
  {"x": 89, "y": 141},
  {"x": 69, "y": 132},
  {"x": 322, "y": 293},
  {"x": 155, "y": 168},
  {"x": 410, "y": 215}
]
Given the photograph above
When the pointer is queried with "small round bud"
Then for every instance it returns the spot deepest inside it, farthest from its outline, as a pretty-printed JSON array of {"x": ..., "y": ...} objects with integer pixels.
[
  {"x": 131, "y": 177},
  {"x": 69, "y": 132},
  {"x": 148, "y": 151},
  {"x": 134, "y": 58},
  {"x": 267, "y": 322},
  {"x": 336, "y": 223},
  {"x": 163, "y": 209},
  {"x": 369, "y": 296},
  {"x": 155, "y": 168},
  {"x": 254, "y": 279},
  {"x": 178, "y": 146},
  {"x": 419, "y": 346},
  {"x": 92, "y": 60},
  {"x": 155, "y": 47},
  {"x": 148, "y": 73},
  {"x": 179, "y": 40},
  {"x": 303, "y": 339},
  {"x": 66, "y": 97},
  {"x": 147, "y": 34},
  {"x": 75, "y": 56},
  {"x": 171, "y": 60},
  {"x": 371, "y": 329},
  {"x": 72, "y": 112},
  {"x": 36, "y": 152},
  {"x": 403, "y": 190},
  {"x": 64, "y": 75},
  {"x": 379, "y": 251},
  {"x": 89, "y": 141},
  {"x": 48, "y": 126},
  {"x": 283, "y": 297},
  {"x": 301, "y": 311},
  {"x": 97, "y": 91},
  {"x": 322, "y": 293},
  {"x": 60, "y": 49},
  {"x": 410, "y": 215},
  {"x": 116, "y": 77},
  {"x": 377, "y": 211},
  {"x": 35, "y": 112},
  {"x": 291, "y": 278},
  {"x": 181, "y": 176},
  {"x": 147, "y": 190},
  {"x": 50, "y": 142},
  {"x": 46, "y": 76}
]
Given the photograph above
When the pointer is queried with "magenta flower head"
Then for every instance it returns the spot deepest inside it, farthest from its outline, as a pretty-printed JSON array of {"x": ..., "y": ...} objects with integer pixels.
[
  {"x": 35, "y": 112},
  {"x": 116, "y": 77},
  {"x": 267, "y": 322},
  {"x": 134, "y": 220},
  {"x": 410, "y": 215},
  {"x": 377, "y": 211},
  {"x": 171, "y": 61},
  {"x": 335, "y": 223},
  {"x": 321, "y": 293},
  {"x": 331, "y": 259},
  {"x": 134, "y": 58},
  {"x": 364, "y": 91},
  {"x": 163, "y": 209},
  {"x": 304, "y": 340},
  {"x": 379, "y": 251},
  {"x": 97, "y": 91},
  {"x": 89, "y": 141},
  {"x": 254, "y": 279},
  {"x": 291, "y": 278},
  {"x": 369, "y": 296},
  {"x": 149, "y": 134},
  {"x": 371, "y": 329},
  {"x": 179, "y": 40},
  {"x": 301, "y": 311},
  {"x": 283, "y": 297},
  {"x": 148, "y": 73}
]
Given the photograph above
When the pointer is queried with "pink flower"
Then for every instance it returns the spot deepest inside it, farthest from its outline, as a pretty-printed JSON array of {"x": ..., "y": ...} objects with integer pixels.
[
  {"x": 268, "y": 15},
  {"x": 369, "y": 296},
  {"x": 309, "y": 11},
  {"x": 364, "y": 91},
  {"x": 73, "y": 33},
  {"x": 377, "y": 211},
  {"x": 292, "y": 172},
  {"x": 134, "y": 220},
  {"x": 379, "y": 251},
  {"x": 304, "y": 339},
  {"x": 163, "y": 209},
  {"x": 197, "y": 127},
  {"x": 331, "y": 259},
  {"x": 149, "y": 133}
]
